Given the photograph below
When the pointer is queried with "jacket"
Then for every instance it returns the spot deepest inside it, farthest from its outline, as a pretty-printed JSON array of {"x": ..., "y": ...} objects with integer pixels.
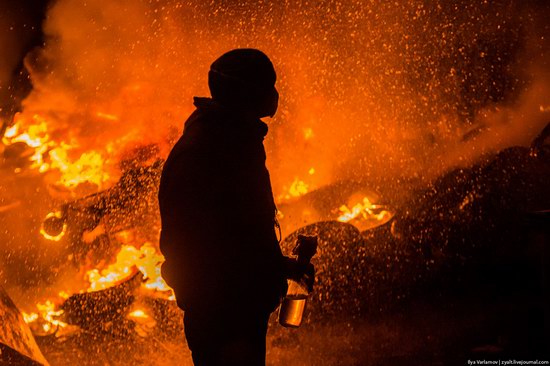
[{"x": 218, "y": 215}]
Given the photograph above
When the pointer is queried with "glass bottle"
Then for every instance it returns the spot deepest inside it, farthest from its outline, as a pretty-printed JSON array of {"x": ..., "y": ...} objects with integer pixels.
[{"x": 292, "y": 309}]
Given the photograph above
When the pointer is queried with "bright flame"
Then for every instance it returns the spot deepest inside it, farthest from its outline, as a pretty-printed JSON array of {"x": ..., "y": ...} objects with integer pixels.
[
  {"x": 46, "y": 317},
  {"x": 298, "y": 188},
  {"x": 138, "y": 314},
  {"x": 367, "y": 210},
  {"x": 146, "y": 259},
  {"x": 53, "y": 155},
  {"x": 87, "y": 168},
  {"x": 11, "y": 132}
]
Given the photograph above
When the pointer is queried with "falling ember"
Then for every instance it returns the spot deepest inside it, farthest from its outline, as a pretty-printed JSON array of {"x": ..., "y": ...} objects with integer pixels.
[
  {"x": 366, "y": 210},
  {"x": 110, "y": 117}
]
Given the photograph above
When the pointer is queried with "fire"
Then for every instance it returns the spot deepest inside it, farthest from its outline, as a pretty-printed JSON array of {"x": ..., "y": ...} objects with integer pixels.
[
  {"x": 144, "y": 322},
  {"x": 46, "y": 319},
  {"x": 130, "y": 259},
  {"x": 138, "y": 314},
  {"x": 50, "y": 155},
  {"x": 298, "y": 188},
  {"x": 58, "y": 226},
  {"x": 87, "y": 168},
  {"x": 366, "y": 210}
]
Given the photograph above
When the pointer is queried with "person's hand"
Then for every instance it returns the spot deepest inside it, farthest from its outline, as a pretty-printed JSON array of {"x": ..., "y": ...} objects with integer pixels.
[{"x": 300, "y": 273}]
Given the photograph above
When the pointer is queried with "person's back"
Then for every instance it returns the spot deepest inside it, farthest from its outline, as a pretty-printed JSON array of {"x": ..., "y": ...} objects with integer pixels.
[{"x": 222, "y": 254}]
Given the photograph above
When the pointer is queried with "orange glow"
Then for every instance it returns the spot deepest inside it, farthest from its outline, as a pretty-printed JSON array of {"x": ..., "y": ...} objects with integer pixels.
[{"x": 308, "y": 133}]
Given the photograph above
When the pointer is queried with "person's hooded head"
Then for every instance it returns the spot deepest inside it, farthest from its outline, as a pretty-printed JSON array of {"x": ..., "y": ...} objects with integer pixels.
[{"x": 244, "y": 79}]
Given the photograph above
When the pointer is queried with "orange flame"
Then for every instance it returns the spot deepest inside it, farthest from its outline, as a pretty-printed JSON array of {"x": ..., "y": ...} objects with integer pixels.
[
  {"x": 45, "y": 320},
  {"x": 50, "y": 155},
  {"x": 366, "y": 210},
  {"x": 146, "y": 259}
]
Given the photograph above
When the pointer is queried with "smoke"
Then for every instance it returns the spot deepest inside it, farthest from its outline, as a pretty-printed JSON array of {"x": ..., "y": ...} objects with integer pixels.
[
  {"x": 20, "y": 26},
  {"x": 369, "y": 91},
  {"x": 372, "y": 91}
]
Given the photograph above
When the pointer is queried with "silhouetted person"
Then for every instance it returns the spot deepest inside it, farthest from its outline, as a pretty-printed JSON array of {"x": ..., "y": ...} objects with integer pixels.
[{"x": 218, "y": 215}]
